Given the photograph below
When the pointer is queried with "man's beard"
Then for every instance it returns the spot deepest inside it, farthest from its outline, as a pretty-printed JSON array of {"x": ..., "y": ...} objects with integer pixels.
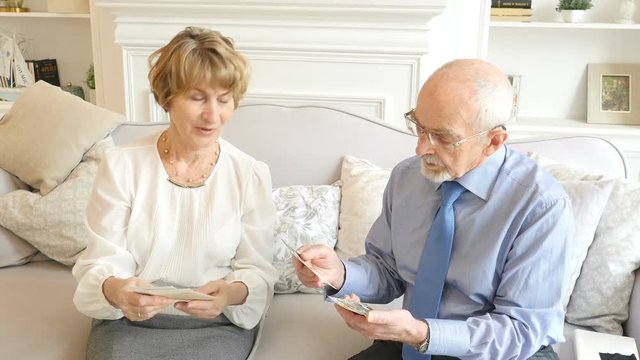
[{"x": 437, "y": 176}]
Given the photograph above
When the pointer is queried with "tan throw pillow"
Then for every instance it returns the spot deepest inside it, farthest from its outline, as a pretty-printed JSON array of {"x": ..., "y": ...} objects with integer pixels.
[
  {"x": 46, "y": 132},
  {"x": 363, "y": 185}
]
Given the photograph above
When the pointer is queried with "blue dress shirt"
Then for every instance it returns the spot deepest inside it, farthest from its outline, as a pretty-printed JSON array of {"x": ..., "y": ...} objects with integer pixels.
[{"x": 502, "y": 297}]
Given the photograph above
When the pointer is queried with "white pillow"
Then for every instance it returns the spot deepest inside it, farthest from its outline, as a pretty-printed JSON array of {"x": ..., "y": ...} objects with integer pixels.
[
  {"x": 54, "y": 223},
  {"x": 46, "y": 132},
  {"x": 562, "y": 171},
  {"x": 601, "y": 295},
  {"x": 363, "y": 185},
  {"x": 588, "y": 199},
  {"x": 305, "y": 215}
]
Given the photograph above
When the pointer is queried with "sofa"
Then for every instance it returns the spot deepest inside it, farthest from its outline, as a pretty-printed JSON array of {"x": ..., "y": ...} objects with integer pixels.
[{"x": 323, "y": 161}]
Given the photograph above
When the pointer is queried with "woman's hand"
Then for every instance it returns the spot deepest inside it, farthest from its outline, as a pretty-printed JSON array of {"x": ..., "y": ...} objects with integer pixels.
[
  {"x": 224, "y": 294},
  {"x": 136, "y": 307}
]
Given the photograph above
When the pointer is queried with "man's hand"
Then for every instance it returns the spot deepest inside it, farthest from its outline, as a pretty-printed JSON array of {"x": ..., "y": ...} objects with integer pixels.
[
  {"x": 323, "y": 260},
  {"x": 395, "y": 325},
  {"x": 224, "y": 294},
  {"x": 135, "y": 307}
]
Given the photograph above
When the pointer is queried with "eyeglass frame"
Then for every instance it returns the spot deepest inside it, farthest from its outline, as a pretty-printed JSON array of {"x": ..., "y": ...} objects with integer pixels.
[{"x": 409, "y": 117}]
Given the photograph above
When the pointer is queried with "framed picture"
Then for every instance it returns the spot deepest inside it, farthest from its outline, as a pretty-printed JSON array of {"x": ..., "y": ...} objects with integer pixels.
[
  {"x": 612, "y": 94},
  {"x": 515, "y": 79}
]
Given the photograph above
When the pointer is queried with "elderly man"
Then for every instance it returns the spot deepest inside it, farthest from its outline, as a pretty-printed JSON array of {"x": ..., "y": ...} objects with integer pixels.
[{"x": 472, "y": 233}]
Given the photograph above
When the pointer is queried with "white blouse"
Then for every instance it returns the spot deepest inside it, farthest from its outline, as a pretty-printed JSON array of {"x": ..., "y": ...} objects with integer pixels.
[{"x": 142, "y": 225}]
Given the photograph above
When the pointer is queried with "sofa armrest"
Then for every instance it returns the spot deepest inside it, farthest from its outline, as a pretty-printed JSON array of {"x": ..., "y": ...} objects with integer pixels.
[{"x": 632, "y": 326}]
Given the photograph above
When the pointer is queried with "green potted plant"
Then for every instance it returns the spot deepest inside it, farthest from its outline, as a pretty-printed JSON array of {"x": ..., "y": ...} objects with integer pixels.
[
  {"x": 572, "y": 11},
  {"x": 90, "y": 80}
]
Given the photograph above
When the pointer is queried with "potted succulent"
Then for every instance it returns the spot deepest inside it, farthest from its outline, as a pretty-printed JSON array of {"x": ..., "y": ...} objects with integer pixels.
[{"x": 572, "y": 11}]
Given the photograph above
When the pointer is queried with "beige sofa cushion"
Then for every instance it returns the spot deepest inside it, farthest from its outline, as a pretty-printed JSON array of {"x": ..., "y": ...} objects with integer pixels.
[{"x": 46, "y": 132}]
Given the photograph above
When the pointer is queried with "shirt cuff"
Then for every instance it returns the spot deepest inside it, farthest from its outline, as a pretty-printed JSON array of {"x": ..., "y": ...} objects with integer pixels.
[
  {"x": 450, "y": 337},
  {"x": 355, "y": 276}
]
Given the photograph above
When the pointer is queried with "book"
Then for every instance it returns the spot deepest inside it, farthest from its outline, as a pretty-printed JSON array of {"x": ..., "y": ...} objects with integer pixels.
[
  {"x": 523, "y": 18},
  {"x": 46, "y": 70},
  {"x": 511, "y": 11},
  {"x": 523, "y": 4}
]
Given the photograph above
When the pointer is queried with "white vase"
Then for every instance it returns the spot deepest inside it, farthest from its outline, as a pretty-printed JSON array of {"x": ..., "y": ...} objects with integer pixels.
[
  {"x": 626, "y": 10},
  {"x": 92, "y": 96},
  {"x": 572, "y": 16}
]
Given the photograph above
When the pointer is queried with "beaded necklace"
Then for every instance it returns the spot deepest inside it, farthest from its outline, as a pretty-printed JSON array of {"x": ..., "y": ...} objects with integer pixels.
[{"x": 183, "y": 180}]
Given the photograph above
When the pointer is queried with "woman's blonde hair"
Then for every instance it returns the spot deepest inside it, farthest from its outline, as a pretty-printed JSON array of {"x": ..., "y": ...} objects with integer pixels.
[{"x": 197, "y": 57}]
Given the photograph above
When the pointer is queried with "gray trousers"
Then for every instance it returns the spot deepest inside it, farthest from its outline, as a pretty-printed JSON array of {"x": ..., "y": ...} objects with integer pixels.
[
  {"x": 392, "y": 350},
  {"x": 169, "y": 337}
]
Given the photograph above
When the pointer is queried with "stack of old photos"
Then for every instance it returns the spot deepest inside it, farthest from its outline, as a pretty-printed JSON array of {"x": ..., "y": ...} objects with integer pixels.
[{"x": 511, "y": 10}]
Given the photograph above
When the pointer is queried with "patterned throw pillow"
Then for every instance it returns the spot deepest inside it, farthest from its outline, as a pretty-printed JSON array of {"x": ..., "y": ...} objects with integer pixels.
[
  {"x": 305, "y": 215},
  {"x": 600, "y": 297},
  {"x": 54, "y": 223}
]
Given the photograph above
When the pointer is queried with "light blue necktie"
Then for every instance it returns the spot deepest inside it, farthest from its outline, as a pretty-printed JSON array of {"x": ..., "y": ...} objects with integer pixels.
[{"x": 434, "y": 262}]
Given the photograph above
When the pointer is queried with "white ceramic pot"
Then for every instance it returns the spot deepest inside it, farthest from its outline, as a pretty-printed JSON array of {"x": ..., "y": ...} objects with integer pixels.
[{"x": 572, "y": 16}]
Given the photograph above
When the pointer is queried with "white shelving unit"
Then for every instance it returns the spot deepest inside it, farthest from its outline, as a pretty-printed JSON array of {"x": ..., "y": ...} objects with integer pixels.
[
  {"x": 41, "y": 14},
  {"x": 552, "y": 58},
  {"x": 64, "y": 37}
]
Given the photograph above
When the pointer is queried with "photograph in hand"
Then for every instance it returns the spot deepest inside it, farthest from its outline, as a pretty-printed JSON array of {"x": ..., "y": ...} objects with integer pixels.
[
  {"x": 353, "y": 306},
  {"x": 182, "y": 294},
  {"x": 307, "y": 264}
]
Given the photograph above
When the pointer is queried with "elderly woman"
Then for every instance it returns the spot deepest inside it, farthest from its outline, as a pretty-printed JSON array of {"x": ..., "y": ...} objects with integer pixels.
[{"x": 185, "y": 208}]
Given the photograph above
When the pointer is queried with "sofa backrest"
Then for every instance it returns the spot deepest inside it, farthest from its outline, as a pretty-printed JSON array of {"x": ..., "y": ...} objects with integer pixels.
[{"x": 304, "y": 145}]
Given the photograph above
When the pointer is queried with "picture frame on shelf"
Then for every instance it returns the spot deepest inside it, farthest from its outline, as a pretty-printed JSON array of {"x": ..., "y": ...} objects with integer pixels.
[
  {"x": 612, "y": 94},
  {"x": 514, "y": 80}
]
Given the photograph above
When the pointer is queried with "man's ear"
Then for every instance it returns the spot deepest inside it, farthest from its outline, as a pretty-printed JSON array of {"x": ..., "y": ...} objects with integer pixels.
[{"x": 498, "y": 137}]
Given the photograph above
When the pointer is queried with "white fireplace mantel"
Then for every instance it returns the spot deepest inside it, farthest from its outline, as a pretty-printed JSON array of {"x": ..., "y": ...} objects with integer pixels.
[{"x": 366, "y": 56}]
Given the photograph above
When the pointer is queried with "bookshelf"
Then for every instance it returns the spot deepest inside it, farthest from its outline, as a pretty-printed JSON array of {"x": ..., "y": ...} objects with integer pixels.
[
  {"x": 551, "y": 57},
  {"x": 562, "y": 25},
  {"x": 42, "y": 14},
  {"x": 64, "y": 37}
]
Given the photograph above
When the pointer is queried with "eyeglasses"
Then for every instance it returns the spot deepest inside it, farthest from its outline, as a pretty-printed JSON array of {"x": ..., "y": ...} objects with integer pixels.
[{"x": 439, "y": 140}]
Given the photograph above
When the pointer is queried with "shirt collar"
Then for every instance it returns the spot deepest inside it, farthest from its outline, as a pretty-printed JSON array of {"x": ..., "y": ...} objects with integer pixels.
[{"x": 481, "y": 179}]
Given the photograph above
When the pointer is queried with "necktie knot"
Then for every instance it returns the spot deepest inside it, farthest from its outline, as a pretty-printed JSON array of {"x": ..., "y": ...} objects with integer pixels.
[{"x": 450, "y": 191}]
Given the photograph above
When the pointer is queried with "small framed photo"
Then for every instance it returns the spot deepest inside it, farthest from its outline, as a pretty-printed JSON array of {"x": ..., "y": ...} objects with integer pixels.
[
  {"x": 515, "y": 79},
  {"x": 612, "y": 94}
]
